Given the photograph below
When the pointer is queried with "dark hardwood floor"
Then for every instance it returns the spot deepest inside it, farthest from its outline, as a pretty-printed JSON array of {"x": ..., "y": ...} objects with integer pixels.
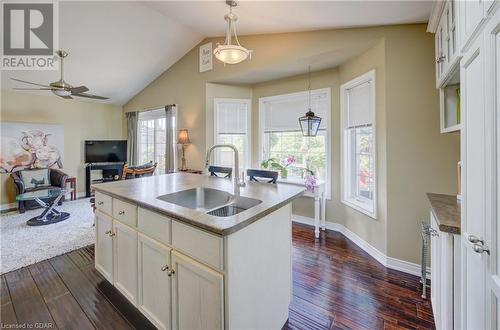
[{"x": 335, "y": 283}]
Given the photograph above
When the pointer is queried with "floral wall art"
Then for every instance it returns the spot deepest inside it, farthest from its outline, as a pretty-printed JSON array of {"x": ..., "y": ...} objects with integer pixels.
[{"x": 26, "y": 145}]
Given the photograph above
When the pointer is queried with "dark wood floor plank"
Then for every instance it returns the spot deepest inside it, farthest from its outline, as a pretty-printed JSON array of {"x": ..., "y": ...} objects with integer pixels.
[
  {"x": 27, "y": 301},
  {"x": 7, "y": 314},
  {"x": 336, "y": 285},
  {"x": 62, "y": 305},
  {"x": 97, "y": 308},
  {"x": 119, "y": 301}
]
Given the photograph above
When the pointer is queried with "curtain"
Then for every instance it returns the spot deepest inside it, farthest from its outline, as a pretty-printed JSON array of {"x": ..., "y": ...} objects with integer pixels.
[
  {"x": 132, "y": 119},
  {"x": 170, "y": 136}
]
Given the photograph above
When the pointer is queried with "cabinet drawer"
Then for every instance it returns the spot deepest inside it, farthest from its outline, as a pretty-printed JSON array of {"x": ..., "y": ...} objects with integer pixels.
[
  {"x": 154, "y": 225},
  {"x": 198, "y": 244},
  {"x": 125, "y": 212},
  {"x": 103, "y": 203}
]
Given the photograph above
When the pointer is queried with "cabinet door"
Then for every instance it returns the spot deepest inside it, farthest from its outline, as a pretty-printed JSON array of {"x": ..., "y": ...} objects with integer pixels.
[
  {"x": 104, "y": 245},
  {"x": 155, "y": 284},
  {"x": 472, "y": 14},
  {"x": 435, "y": 272},
  {"x": 125, "y": 260},
  {"x": 198, "y": 295},
  {"x": 439, "y": 54}
]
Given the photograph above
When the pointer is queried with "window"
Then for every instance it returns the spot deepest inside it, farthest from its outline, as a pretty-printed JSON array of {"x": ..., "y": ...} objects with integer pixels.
[
  {"x": 232, "y": 126},
  {"x": 280, "y": 135},
  {"x": 152, "y": 137},
  {"x": 358, "y": 143}
]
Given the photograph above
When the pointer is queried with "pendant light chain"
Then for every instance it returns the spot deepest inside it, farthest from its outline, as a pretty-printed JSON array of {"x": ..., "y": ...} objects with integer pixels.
[{"x": 309, "y": 85}]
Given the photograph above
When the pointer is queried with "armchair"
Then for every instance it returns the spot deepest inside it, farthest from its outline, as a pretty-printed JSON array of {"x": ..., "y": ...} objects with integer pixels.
[{"x": 56, "y": 177}]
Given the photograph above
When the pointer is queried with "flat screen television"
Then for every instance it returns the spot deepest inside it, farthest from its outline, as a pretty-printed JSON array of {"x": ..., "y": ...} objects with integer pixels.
[{"x": 106, "y": 151}]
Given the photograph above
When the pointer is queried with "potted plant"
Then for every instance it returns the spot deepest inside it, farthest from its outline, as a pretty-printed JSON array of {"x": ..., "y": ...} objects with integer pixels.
[{"x": 279, "y": 165}]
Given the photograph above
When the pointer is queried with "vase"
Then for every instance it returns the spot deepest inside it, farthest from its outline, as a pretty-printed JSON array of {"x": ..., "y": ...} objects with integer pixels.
[{"x": 284, "y": 173}]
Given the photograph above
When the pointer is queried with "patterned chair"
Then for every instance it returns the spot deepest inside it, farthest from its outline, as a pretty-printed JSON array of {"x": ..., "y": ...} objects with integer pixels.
[
  {"x": 220, "y": 172},
  {"x": 262, "y": 176},
  {"x": 37, "y": 179}
]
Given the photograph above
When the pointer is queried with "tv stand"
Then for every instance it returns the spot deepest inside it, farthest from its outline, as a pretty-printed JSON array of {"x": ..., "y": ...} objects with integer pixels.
[{"x": 110, "y": 172}]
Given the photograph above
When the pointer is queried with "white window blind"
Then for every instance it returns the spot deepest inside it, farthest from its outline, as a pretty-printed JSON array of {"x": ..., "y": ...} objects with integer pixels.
[
  {"x": 232, "y": 126},
  {"x": 283, "y": 113},
  {"x": 360, "y": 105},
  {"x": 231, "y": 118}
]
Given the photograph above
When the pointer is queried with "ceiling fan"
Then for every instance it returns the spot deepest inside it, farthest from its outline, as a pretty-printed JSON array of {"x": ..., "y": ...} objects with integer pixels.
[{"x": 60, "y": 87}]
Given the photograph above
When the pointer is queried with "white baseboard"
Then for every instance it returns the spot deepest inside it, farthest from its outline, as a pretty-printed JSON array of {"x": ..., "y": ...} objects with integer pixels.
[{"x": 389, "y": 262}]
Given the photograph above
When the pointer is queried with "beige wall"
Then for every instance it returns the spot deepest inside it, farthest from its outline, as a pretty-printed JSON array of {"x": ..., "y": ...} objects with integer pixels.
[
  {"x": 81, "y": 120},
  {"x": 412, "y": 157}
]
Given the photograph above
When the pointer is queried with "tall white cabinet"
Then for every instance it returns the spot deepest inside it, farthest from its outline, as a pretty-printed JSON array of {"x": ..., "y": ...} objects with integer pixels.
[{"x": 478, "y": 77}]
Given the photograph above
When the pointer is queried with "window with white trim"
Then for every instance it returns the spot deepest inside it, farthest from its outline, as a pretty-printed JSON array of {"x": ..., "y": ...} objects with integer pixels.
[
  {"x": 358, "y": 144},
  {"x": 280, "y": 135},
  {"x": 232, "y": 126},
  {"x": 151, "y": 141}
]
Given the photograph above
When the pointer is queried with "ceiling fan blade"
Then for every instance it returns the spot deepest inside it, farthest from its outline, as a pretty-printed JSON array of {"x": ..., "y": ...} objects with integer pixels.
[
  {"x": 29, "y": 82},
  {"x": 79, "y": 89},
  {"x": 65, "y": 97},
  {"x": 33, "y": 89},
  {"x": 90, "y": 96}
]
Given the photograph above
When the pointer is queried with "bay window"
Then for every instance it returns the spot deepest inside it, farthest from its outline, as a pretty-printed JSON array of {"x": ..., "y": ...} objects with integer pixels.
[
  {"x": 280, "y": 134},
  {"x": 358, "y": 144}
]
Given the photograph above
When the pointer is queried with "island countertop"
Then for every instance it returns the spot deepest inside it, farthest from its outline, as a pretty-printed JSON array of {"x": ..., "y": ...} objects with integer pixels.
[
  {"x": 446, "y": 210},
  {"x": 144, "y": 192}
]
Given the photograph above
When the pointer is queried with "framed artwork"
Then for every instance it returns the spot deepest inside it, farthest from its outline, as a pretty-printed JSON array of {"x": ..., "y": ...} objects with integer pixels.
[
  {"x": 27, "y": 146},
  {"x": 206, "y": 57}
]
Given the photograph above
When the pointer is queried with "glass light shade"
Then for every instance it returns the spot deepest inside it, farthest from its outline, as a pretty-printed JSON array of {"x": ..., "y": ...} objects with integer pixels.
[
  {"x": 309, "y": 124},
  {"x": 183, "y": 137},
  {"x": 231, "y": 54},
  {"x": 61, "y": 92}
]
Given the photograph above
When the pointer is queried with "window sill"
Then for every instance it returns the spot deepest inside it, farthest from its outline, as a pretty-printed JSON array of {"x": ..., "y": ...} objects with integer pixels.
[{"x": 360, "y": 207}]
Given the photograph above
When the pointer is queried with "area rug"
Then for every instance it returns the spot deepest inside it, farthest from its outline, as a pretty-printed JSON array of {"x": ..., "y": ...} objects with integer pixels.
[{"x": 23, "y": 245}]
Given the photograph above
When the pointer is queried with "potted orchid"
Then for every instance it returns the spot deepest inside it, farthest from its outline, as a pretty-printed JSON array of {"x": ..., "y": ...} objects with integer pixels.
[
  {"x": 279, "y": 165},
  {"x": 309, "y": 180}
]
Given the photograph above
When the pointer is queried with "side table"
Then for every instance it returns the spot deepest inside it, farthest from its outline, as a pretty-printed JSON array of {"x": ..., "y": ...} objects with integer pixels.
[{"x": 72, "y": 184}]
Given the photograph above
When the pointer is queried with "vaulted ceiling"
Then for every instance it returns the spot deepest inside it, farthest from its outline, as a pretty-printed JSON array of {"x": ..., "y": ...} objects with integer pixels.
[{"x": 117, "y": 48}]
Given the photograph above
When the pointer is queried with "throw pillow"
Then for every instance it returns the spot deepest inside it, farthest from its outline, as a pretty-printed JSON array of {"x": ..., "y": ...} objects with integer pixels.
[{"x": 35, "y": 178}]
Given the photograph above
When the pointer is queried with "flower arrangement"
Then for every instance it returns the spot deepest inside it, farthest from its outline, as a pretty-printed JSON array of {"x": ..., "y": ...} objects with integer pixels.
[{"x": 279, "y": 165}]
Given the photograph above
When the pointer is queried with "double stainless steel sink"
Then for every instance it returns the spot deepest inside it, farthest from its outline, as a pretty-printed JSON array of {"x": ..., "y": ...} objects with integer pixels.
[{"x": 212, "y": 201}]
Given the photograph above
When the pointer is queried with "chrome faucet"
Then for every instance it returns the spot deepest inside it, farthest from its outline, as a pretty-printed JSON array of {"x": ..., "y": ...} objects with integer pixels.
[{"x": 238, "y": 183}]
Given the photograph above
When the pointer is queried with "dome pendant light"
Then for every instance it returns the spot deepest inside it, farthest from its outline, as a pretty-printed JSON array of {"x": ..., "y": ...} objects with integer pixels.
[
  {"x": 230, "y": 53},
  {"x": 309, "y": 124}
]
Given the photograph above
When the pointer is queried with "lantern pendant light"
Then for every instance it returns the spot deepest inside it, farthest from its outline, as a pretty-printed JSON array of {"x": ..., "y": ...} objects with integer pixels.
[
  {"x": 309, "y": 124},
  {"x": 230, "y": 53}
]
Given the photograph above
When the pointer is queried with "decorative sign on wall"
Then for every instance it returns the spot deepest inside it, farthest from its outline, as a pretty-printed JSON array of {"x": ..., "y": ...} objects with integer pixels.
[
  {"x": 206, "y": 57},
  {"x": 31, "y": 146}
]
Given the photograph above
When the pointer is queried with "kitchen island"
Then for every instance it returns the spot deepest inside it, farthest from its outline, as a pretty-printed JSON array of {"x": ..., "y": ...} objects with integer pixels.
[{"x": 191, "y": 255}]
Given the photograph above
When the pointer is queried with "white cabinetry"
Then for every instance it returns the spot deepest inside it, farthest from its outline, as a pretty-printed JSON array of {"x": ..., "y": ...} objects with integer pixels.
[
  {"x": 104, "y": 245},
  {"x": 197, "y": 295},
  {"x": 178, "y": 275},
  {"x": 471, "y": 16},
  {"x": 125, "y": 260},
  {"x": 442, "y": 276},
  {"x": 155, "y": 281},
  {"x": 447, "y": 43}
]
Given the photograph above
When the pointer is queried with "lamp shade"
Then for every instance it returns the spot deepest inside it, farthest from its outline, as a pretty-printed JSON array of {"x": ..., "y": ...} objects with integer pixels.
[
  {"x": 309, "y": 124},
  {"x": 183, "y": 137}
]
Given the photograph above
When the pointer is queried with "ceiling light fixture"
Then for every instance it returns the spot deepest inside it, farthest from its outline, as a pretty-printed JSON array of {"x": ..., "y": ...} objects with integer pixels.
[
  {"x": 309, "y": 124},
  {"x": 230, "y": 53}
]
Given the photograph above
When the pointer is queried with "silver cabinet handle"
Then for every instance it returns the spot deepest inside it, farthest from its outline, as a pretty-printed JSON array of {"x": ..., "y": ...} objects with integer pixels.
[
  {"x": 171, "y": 272},
  {"x": 112, "y": 234},
  {"x": 108, "y": 232},
  {"x": 121, "y": 212},
  {"x": 441, "y": 58},
  {"x": 479, "y": 248},
  {"x": 100, "y": 202},
  {"x": 474, "y": 239},
  {"x": 164, "y": 268},
  {"x": 433, "y": 232}
]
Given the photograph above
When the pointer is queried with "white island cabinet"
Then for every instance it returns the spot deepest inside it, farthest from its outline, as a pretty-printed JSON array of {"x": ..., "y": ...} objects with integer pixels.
[{"x": 184, "y": 277}]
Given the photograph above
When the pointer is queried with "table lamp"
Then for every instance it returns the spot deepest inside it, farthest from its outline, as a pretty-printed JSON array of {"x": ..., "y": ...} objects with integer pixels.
[{"x": 184, "y": 141}]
